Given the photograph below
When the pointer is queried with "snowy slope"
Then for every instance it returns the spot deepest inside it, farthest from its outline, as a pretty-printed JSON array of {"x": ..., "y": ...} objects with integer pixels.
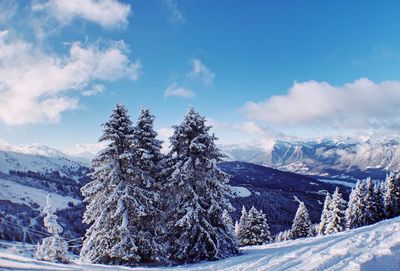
[
  {"x": 23, "y": 194},
  {"x": 371, "y": 248},
  {"x": 18, "y": 161}
]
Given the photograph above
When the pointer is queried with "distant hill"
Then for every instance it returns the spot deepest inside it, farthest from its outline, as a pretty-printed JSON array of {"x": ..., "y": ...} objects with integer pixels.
[
  {"x": 338, "y": 158},
  {"x": 277, "y": 192}
]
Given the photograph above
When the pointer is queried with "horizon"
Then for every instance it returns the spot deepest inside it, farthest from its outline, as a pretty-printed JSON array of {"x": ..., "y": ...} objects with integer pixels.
[{"x": 258, "y": 72}]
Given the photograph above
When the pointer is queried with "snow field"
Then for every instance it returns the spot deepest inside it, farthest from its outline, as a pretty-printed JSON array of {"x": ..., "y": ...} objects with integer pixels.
[{"x": 372, "y": 248}]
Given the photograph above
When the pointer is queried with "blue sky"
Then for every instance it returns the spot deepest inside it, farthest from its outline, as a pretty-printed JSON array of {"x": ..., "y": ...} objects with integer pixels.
[{"x": 256, "y": 69}]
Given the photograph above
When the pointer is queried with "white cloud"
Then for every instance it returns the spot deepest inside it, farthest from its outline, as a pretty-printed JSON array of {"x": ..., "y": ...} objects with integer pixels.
[
  {"x": 175, "y": 90},
  {"x": 247, "y": 133},
  {"x": 96, "y": 89},
  {"x": 201, "y": 72},
  {"x": 85, "y": 150},
  {"x": 107, "y": 13},
  {"x": 176, "y": 14},
  {"x": 37, "y": 87},
  {"x": 357, "y": 105}
]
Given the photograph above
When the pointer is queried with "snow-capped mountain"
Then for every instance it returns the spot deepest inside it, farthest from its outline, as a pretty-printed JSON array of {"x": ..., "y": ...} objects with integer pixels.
[{"x": 346, "y": 158}]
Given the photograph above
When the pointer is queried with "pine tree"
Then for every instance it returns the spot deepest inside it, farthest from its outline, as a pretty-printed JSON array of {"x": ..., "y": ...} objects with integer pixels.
[
  {"x": 371, "y": 206},
  {"x": 336, "y": 218},
  {"x": 53, "y": 248},
  {"x": 229, "y": 223},
  {"x": 254, "y": 229},
  {"x": 241, "y": 226},
  {"x": 355, "y": 211},
  {"x": 379, "y": 200},
  {"x": 259, "y": 227},
  {"x": 392, "y": 196},
  {"x": 199, "y": 189},
  {"x": 301, "y": 223},
  {"x": 147, "y": 158},
  {"x": 325, "y": 214},
  {"x": 120, "y": 200},
  {"x": 283, "y": 236},
  {"x": 147, "y": 146},
  {"x": 228, "y": 220},
  {"x": 314, "y": 230}
]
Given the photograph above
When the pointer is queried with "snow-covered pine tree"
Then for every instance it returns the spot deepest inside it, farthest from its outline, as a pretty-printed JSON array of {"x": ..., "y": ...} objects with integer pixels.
[
  {"x": 325, "y": 214},
  {"x": 259, "y": 227},
  {"x": 352, "y": 212},
  {"x": 301, "y": 224},
  {"x": 379, "y": 200},
  {"x": 228, "y": 220},
  {"x": 253, "y": 228},
  {"x": 236, "y": 228},
  {"x": 199, "y": 189},
  {"x": 241, "y": 228},
  {"x": 371, "y": 206},
  {"x": 336, "y": 218},
  {"x": 147, "y": 158},
  {"x": 314, "y": 230},
  {"x": 392, "y": 196},
  {"x": 147, "y": 146},
  {"x": 229, "y": 223},
  {"x": 53, "y": 248},
  {"x": 283, "y": 236},
  {"x": 119, "y": 198}
]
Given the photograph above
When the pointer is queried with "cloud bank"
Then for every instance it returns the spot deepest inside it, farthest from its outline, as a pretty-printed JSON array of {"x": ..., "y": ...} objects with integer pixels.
[
  {"x": 36, "y": 86},
  {"x": 359, "y": 104}
]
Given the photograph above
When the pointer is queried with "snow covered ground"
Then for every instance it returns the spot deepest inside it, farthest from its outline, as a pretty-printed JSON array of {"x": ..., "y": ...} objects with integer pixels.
[
  {"x": 19, "y": 193},
  {"x": 372, "y": 248}
]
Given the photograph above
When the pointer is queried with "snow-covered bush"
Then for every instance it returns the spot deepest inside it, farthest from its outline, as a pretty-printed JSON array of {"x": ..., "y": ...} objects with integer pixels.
[{"x": 53, "y": 248}]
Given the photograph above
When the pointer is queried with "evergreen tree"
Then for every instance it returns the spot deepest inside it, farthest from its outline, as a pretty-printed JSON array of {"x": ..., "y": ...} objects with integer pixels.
[
  {"x": 242, "y": 229},
  {"x": 120, "y": 200},
  {"x": 371, "y": 205},
  {"x": 228, "y": 220},
  {"x": 147, "y": 146},
  {"x": 301, "y": 223},
  {"x": 336, "y": 218},
  {"x": 147, "y": 158},
  {"x": 259, "y": 227},
  {"x": 254, "y": 230},
  {"x": 229, "y": 223},
  {"x": 356, "y": 207},
  {"x": 314, "y": 230},
  {"x": 379, "y": 200},
  {"x": 199, "y": 189},
  {"x": 325, "y": 214},
  {"x": 392, "y": 196},
  {"x": 53, "y": 248},
  {"x": 283, "y": 236}
]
